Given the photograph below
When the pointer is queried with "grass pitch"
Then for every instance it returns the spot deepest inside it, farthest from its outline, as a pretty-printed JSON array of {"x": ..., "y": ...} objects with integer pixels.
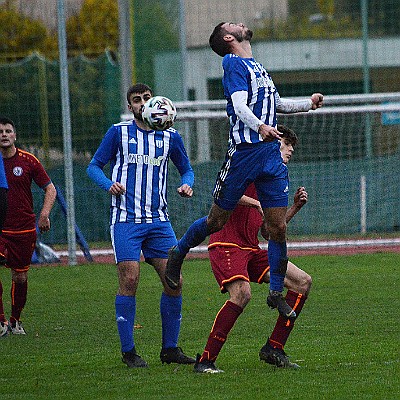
[{"x": 346, "y": 339}]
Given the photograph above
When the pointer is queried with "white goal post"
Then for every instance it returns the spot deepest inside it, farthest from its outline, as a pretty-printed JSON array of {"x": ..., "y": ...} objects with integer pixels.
[
  {"x": 347, "y": 158},
  {"x": 375, "y": 102}
]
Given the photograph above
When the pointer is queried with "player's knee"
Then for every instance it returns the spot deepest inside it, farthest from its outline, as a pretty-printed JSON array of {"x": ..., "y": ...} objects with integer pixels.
[
  {"x": 242, "y": 298},
  {"x": 240, "y": 293},
  {"x": 128, "y": 287},
  {"x": 19, "y": 277},
  {"x": 277, "y": 232},
  {"x": 305, "y": 284}
]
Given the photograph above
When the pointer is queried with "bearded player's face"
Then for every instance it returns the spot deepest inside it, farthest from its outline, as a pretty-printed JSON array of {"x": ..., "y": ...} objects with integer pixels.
[
  {"x": 136, "y": 101},
  {"x": 239, "y": 31}
]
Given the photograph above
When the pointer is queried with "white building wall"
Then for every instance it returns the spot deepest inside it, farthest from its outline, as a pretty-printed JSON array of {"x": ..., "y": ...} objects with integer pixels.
[
  {"x": 203, "y": 15},
  {"x": 45, "y": 10},
  {"x": 301, "y": 55}
]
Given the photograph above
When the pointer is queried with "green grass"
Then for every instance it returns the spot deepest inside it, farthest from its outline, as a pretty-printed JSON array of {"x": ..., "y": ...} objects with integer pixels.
[{"x": 346, "y": 339}]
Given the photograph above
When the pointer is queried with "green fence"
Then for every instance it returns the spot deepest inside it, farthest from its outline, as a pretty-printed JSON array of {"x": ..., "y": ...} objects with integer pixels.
[
  {"x": 334, "y": 206},
  {"x": 30, "y": 96}
]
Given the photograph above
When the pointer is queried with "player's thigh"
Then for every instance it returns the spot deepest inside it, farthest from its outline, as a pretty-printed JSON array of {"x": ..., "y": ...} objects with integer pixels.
[
  {"x": 258, "y": 266},
  {"x": 217, "y": 217},
  {"x": 160, "y": 237},
  {"x": 275, "y": 220},
  {"x": 273, "y": 187},
  {"x": 127, "y": 239},
  {"x": 228, "y": 264},
  {"x": 243, "y": 164},
  {"x": 19, "y": 248}
]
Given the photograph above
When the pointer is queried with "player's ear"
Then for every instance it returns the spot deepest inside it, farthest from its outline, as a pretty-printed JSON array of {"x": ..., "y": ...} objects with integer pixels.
[
  {"x": 228, "y": 37},
  {"x": 129, "y": 107}
]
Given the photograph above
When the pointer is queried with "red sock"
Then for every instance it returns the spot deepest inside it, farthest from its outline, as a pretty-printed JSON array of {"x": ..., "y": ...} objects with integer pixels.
[
  {"x": 284, "y": 326},
  {"x": 18, "y": 299},
  {"x": 2, "y": 317},
  {"x": 223, "y": 323}
]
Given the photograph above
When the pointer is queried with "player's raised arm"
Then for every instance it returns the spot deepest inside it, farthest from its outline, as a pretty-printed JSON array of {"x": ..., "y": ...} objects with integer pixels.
[
  {"x": 300, "y": 199},
  {"x": 289, "y": 106}
]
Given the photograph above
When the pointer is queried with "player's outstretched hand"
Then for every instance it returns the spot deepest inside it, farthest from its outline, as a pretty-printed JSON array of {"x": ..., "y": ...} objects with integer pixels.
[
  {"x": 317, "y": 100},
  {"x": 185, "y": 191}
]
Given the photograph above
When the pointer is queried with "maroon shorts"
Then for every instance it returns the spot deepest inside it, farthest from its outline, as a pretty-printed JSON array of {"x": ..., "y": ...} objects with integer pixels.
[
  {"x": 18, "y": 248},
  {"x": 230, "y": 263}
]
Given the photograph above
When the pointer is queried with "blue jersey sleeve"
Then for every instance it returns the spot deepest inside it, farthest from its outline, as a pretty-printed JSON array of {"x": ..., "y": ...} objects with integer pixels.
[
  {"x": 181, "y": 160},
  {"x": 3, "y": 179},
  {"x": 105, "y": 154}
]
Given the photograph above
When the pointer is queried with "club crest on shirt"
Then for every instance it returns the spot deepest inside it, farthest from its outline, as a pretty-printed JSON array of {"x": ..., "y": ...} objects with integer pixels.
[
  {"x": 159, "y": 143},
  {"x": 17, "y": 171}
]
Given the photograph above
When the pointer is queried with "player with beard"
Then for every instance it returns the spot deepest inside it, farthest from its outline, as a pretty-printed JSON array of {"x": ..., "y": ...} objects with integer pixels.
[
  {"x": 253, "y": 156},
  {"x": 139, "y": 221}
]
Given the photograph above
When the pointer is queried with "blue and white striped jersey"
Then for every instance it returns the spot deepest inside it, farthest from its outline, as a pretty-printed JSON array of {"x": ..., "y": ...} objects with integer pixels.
[
  {"x": 139, "y": 161},
  {"x": 248, "y": 75}
]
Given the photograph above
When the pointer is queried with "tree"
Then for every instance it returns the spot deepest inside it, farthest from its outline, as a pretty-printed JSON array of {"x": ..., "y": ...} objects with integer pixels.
[
  {"x": 95, "y": 28},
  {"x": 21, "y": 35}
]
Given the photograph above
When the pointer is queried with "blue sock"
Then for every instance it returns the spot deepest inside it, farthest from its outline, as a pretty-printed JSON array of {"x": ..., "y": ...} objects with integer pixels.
[
  {"x": 276, "y": 252},
  {"x": 170, "y": 309},
  {"x": 125, "y": 311},
  {"x": 196, "y": 233}
]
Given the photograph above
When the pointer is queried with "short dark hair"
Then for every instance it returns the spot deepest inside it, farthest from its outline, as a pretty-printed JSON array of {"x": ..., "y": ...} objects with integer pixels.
[
  {"x": 288, "y": 134},
  {"x": 138, "y": 88},
  {"x": 217, "y": 42},
  {"x": 5, "y": 121}
]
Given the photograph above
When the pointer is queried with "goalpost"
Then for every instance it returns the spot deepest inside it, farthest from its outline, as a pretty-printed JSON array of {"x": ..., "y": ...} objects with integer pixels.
[{"x": 347, "y": 158}]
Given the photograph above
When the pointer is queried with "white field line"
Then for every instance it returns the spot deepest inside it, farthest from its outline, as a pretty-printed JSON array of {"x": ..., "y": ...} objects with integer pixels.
[{"x": 291, "y": 245}]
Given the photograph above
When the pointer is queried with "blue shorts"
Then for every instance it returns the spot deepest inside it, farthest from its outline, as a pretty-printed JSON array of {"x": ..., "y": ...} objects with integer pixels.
[
  {"x": 129, "y": 239},
  {"x": 260, "y": 163}
]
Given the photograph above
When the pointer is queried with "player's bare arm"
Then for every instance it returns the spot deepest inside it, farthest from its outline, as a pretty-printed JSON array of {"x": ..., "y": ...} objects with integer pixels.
[
  {"x": 117, "y": 189},
  {"x": 48, "y": 201},
  {"x": 250, "y": 202},
  {"x": 300, "y": 199},
  {"x": 185, "y": 191}
]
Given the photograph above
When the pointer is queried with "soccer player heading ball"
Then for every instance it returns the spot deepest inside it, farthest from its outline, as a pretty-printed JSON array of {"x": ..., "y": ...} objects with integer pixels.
[{"x": 253, "y": 156}]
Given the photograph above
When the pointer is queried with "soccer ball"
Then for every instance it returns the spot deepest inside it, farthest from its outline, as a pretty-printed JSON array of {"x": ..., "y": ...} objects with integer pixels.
[{"x": 159, "y": 113}]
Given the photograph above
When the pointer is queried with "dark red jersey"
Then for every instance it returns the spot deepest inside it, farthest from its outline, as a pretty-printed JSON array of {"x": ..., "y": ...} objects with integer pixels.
[
  {"x": 242, "y": 227},
  {"x": 21, "y": 169}
]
